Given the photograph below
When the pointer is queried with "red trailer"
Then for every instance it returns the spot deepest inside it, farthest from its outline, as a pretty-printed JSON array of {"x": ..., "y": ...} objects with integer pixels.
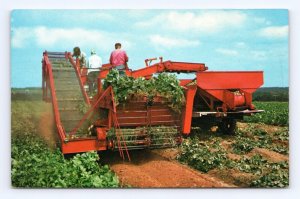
[{"x": 212, "y": 98}]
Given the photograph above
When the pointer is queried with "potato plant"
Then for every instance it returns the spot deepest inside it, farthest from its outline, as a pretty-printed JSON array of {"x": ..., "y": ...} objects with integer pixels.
[
  {"x": 34, "y": 165},
  {"x": 164, "y": 85},
  {"x": 248, "y": 139},
  {"x": 276, "y": 113},
  {"x": 275, "y": 178},
  {"x": 208, "y": 154},
  {"x": 200, "y": 156}
]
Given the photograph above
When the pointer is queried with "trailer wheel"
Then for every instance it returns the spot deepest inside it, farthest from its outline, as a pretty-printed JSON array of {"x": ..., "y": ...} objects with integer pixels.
[{"x": 227, "y": 126}]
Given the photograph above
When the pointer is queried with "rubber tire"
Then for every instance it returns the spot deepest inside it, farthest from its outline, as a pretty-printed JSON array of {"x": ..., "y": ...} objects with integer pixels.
[
  {"x": 227, "y": 126},
  {"x": 205, "y": 127}
]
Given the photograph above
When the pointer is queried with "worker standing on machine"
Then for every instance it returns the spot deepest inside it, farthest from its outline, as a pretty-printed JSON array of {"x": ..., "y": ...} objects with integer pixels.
[
  {"x": 80, "y": 55},
  {"x": 118, "y": 59},
  {"x": 94, "y": 64}
]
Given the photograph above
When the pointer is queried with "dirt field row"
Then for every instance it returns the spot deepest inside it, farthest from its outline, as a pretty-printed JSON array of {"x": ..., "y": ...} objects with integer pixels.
[
  {"x": 160, "y": 168},
  {"x": 150, "y": 169}
]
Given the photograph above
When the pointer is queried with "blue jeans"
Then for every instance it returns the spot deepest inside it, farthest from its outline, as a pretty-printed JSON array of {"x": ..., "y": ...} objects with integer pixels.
[{"x": 120, "y": 68}]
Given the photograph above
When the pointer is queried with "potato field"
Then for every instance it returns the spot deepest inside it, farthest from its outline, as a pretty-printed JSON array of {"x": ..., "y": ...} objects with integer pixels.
[
  {"x": 36, "y": 163},
  {"x": 256, "y": 156}
]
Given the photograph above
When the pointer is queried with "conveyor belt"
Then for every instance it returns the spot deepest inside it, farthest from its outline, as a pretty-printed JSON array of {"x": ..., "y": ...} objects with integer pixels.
[{"x": 68, "y": 93}]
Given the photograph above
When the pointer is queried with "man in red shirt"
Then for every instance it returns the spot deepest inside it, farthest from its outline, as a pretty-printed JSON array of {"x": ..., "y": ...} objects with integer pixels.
[{"x": 118, "y": 58}]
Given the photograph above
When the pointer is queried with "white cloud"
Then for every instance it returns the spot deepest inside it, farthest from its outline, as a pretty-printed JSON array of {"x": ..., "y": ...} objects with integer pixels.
[
  {"x": 257, "y": 54},
  {"x": 20, "y": 37},
  {"x": 240, "y": 44},
  {"x": 261, "y": 20},
  {"x": 58, "y": 37},
  {"x": 228, "y": 52},
  {"x": 168, "y": 42},
  {"x": 274, "y": 32},
  {"x": 209, "y": 21}
]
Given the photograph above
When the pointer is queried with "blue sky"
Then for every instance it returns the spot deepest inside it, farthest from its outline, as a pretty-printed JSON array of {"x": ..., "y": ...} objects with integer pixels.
[{"x": 222, "y": 39}]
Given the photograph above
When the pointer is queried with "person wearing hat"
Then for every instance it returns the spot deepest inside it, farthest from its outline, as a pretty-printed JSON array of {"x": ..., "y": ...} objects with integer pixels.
[{"x": 94, "y": 64}]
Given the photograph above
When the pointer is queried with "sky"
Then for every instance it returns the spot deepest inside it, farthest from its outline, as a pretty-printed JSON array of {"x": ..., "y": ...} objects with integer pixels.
[{"x": 225, "y": 40}]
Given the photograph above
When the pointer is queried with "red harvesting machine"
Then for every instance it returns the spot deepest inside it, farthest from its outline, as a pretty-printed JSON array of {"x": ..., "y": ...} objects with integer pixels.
[{"x": 211, "y": 98}]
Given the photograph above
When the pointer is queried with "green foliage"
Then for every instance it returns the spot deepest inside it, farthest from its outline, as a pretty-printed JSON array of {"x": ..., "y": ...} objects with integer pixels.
[
  {"x": 23, "y": 115},
  {"x": 277, "y": 177},
  {"x": 83, "y": 107},
  {"x": 26, "y": 94},
  {"x": 252, "y": 137},
  {"x": 33, "y": 164},
  {"x": 278, "y": 94},
  {"x": 164, "y": 85},
  {"x": 276, "y": 113},
  {"x": 278, "y": 148},
  {"x": 209, "y": 154},
  {"x": 272, "y": 174},
  {"x": 261, "y": 172},
  {"x": 282, "y": 135},
  {"x": 259, "y": 132},
  {"x": 167, "y": 85},
  {"x": 156, "y": 135},
  {"x": 201, "y": 156},
  {"x": 163, "y": 135},
  {"x": 254, "y": 164},
  {"x": 243, "y": 145}
]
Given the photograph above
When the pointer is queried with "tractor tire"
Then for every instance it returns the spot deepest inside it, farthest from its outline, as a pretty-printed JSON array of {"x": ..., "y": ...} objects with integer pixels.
[
  {"x": 205, "y": 127},
  {"x": 227, "y": 126}
]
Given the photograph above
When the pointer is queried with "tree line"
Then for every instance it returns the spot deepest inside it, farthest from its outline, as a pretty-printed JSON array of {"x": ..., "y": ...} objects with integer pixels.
[{"x": 279, "y": 94}]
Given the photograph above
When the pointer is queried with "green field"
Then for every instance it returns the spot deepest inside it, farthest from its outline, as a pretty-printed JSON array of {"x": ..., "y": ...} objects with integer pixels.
[
  {"x": 257, "y": 156},
  {"x": 35, "y": 164},
  {"x": 276, "y": 113}
]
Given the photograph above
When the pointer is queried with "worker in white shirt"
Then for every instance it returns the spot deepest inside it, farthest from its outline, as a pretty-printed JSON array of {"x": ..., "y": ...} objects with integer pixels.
[{"x": 94, "y": 64}]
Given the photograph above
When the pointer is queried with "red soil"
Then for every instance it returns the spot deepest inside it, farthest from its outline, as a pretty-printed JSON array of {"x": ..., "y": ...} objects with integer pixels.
[
  {"x": 150, "y": 170},
  {"x": 233, "y": 176},
  {"x": 269, "y": 155}
]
